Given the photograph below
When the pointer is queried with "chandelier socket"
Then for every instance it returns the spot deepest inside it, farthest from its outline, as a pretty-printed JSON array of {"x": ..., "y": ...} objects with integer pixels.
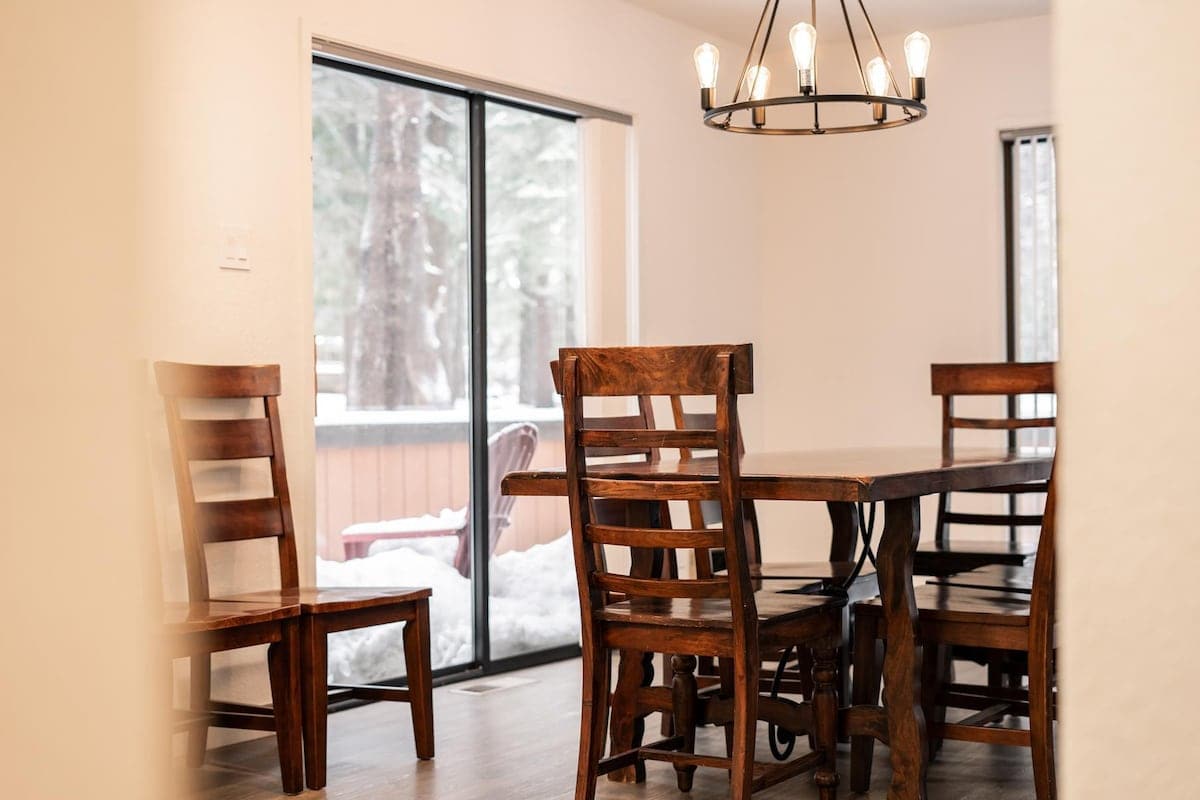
[
  {"x": 707, "y": 97},
  {"x": 805, "y": 81},
  {"x": 758, "y": 116},
  {"x": 918, "y": 88},
  {"x": 879, "y": 111}
]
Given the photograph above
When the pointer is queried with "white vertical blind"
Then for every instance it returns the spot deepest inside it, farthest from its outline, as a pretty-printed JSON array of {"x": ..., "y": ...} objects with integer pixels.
[{"x": 1035, "y": 270}]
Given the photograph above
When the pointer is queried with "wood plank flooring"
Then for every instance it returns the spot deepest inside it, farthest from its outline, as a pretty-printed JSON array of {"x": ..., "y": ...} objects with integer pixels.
[{"x": 521, "y": 743}]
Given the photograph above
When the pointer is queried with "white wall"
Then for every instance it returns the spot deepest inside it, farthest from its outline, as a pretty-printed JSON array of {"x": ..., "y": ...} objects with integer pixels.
[
  {"x": 884, "y": 252},
  {"x": 1129, "y": 397}
]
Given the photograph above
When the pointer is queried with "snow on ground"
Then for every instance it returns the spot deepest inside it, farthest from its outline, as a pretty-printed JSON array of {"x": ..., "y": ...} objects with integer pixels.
[{"x": 533, "y": 605}]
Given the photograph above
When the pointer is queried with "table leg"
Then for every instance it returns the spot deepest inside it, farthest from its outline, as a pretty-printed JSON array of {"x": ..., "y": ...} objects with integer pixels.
[{"x": 901, "y": 682}]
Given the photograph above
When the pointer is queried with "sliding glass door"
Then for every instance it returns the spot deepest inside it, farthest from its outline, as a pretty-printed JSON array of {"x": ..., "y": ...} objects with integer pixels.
[{"x": 447, "y": 268}]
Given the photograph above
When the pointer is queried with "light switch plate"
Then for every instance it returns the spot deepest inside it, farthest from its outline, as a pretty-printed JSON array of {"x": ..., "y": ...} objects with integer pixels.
[{"x": 235, "y": 247}]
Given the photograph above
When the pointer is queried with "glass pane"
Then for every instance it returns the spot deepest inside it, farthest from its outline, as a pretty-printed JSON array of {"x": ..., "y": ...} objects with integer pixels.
[
  {"x": 391, "y": 283},
  {"x": 534, "y": 281}
]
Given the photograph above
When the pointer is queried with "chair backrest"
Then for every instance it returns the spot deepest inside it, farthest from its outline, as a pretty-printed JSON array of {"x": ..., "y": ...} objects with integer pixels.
[
  {"x": 205, "y": 522},
  {"x": 510, "y": 449},
  {"x": 1011, "y": 380},
  {"x": 723, "y": 371},
  {"x": 1045, "y": 569}
]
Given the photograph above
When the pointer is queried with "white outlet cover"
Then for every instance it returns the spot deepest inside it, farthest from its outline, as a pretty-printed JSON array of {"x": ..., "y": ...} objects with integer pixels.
[{"x": 235, "y": 247}]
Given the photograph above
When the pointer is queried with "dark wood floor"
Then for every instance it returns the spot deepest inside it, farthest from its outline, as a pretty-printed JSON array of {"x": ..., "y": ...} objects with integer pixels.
[{"x": 520, "y": 743}]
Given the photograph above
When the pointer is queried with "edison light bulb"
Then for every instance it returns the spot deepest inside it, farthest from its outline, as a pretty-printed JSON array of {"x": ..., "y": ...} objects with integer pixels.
[
  {"x": 916, "y": 53},
  {"x": 804, "y": 50},
  {"x": 707, "y": 57},
  {"x": 758, "y": 79},
  {"x": 877, "y": 76},
  {"x": 877, "y": 80}
]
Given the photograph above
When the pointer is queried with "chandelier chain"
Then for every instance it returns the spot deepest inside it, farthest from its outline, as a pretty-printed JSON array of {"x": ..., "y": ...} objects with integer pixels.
[
  {"x": 862, "y": 76},
  {"x": 737, "y": 89},
  {"x": 887, "y": 62}
]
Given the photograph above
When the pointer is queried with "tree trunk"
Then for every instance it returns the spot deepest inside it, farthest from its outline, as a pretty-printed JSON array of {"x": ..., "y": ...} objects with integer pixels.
[{"x": 392, "y": 358}]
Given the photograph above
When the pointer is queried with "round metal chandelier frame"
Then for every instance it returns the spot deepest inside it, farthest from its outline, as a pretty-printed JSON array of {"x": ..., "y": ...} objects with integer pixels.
[
  {"x": 912, "y": 109},
  {"x": 913, "y": 112}
]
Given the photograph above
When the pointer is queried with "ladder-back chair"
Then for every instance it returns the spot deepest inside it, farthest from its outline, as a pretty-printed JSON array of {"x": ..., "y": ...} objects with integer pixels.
[
  {"x": 322, "y": 611},
  {"x": 719, "y": 616},
  {"x": 944, "y": 556}
]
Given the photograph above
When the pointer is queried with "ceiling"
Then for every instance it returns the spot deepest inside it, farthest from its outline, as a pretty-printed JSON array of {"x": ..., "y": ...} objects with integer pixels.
[{"x": 735, "y": 19}]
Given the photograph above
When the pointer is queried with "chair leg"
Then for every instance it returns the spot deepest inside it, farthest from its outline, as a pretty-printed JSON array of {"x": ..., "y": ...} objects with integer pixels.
[
  {"x": 825, "y": 712},
  {"x": 868, "y": 662},
  {"x": 283, "y": 662},
  {"x": 683, "y": 708},
  {"x": 725, "y": 670},
  {"x": 200, "y": 689},
  {"x": 935, "y": 665},
  {"x": 667, "y": 725},
  {"x": 315, "y": 691},
  {"x": 462, "y": 556},
  {"x": 420, "y": 679},
  {"x": 745, "y": 720},
  {"x": 592, "y": 722},
  {"x": 1041, "y": 723}
]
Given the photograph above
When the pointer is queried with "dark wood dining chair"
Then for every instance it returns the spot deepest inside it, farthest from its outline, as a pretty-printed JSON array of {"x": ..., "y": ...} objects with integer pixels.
[
  {"x": 720, "y": 616},
  {"x": 945, "y": 555},
  {"x": 322, "y": 611},
  {"x": 198, "y": 629},
  {"x": 1011, "y": 623}
]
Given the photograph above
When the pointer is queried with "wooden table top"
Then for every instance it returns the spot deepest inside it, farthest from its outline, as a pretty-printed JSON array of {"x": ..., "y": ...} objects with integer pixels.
[{"x": 850, "y": 474}]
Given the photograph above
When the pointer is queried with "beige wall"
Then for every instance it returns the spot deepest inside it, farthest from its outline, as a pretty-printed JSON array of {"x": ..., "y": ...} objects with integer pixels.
[
  {"x": 82, "y": 681},
  {"x": 884, "y": 253},
  {"x": 1129, "y": 397}
]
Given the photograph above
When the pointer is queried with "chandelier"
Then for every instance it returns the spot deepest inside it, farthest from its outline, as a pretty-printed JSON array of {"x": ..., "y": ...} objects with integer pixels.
[{"x": 880, "y": 91}]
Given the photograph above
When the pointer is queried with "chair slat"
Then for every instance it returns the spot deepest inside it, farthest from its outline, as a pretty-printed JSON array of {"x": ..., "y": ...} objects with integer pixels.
[
  {"x": 632, "y": 438},
  {"x": 690, "y": 538},
  {"x": 200, "y": 380},
  {"x": 699, "y": 589},
  {"x": 652, "y": 490},
  {"x": 993, "y": 379},
  {"x": 220, "y": 439},
  {"x": 1000, "y": 424},
  {"x": 235, "y": 520},
  {"x": 632, "y": 371},
  {"x": 963, "y": 518}
]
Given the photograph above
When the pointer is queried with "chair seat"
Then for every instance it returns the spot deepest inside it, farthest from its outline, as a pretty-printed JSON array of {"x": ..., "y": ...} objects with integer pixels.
[
  {"x": 957, "y": 604},
  {"x": 811, "y": 570},
  {"x": 332, "y": 600},
  {"x": 1000, "y": 577},
  {"x": 952, "y": 557},
  {"x": 990, "y": 547},
  {"x": 772, "y": 608},
  {"x": 214, "y": 615}
]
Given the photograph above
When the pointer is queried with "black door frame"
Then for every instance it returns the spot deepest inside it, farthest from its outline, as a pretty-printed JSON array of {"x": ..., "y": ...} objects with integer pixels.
[{"x": 477, "y": 102}]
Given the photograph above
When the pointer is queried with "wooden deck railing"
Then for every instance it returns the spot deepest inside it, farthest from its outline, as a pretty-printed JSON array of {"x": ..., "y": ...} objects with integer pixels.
[{"x": 358, "y": 481}]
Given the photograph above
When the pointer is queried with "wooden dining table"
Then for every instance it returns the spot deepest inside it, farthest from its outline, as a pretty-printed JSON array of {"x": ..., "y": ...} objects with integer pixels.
[{"x": 898, "y": 477}]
